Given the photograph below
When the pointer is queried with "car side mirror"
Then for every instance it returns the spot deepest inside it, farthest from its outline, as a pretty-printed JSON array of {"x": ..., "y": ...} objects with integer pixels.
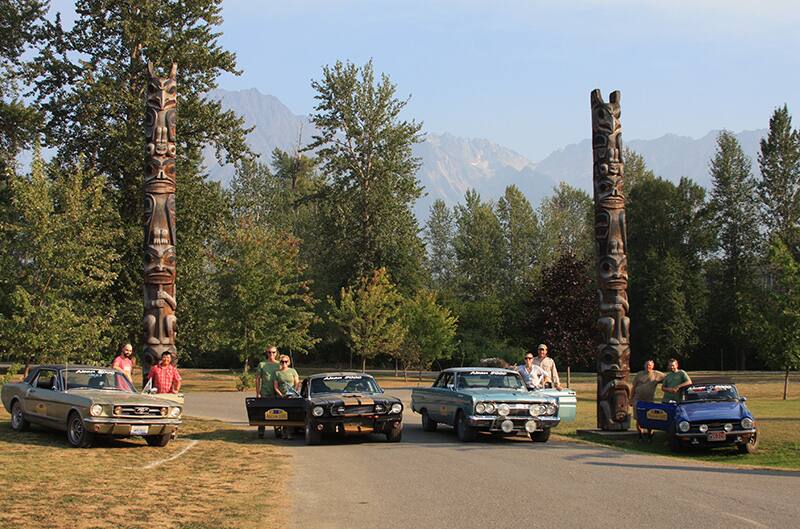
[
  {"x": 672, "y": 402},
  {"x": 743, "y": 399}
]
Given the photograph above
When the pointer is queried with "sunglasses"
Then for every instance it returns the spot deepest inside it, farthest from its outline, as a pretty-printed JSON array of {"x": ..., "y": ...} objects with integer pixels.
[{"x": 284, "y": 361}]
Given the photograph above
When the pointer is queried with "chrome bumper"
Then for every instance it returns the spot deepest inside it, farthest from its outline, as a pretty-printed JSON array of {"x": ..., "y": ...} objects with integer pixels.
[
  {"x": 114, "y": 426},
  {"x": 728, "y": 435},
  {"x": 492, "y": 422}
]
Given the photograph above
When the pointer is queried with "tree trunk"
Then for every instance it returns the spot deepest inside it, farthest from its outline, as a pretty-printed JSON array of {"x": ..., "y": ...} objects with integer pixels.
[
  {"x": 351, "y": 359},
  {"x": 569, "y": 376},
  {"x": 396, "y": 373},
  {"x": 786, "y": 384},
  {"x": 419, "y": 377},
  {"x": 363, "y": 364}
]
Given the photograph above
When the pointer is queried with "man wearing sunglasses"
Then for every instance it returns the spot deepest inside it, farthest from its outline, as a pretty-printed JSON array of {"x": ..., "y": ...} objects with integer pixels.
[{"x": 533, "y": 375}]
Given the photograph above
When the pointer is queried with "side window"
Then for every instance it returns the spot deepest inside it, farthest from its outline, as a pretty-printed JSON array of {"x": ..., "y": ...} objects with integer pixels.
[
  {"x": 46, "y": 379},
  {"x": 443, "y": 380},
  {"x": 304, "y": 389},
  {"x": 439, "y": 381}
]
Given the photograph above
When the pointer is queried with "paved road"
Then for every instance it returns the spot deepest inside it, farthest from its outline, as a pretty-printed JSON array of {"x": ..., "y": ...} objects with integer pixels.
[{"x": 430, "y": 480}]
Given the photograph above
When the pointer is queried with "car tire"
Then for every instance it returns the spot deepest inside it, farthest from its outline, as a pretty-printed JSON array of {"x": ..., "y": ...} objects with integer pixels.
[
  {"x": 428, "y": 424},
  {"x": 674, "y": 442},
  {"x": 395, "y": 433},
  {"x": 77, "y": 434},
  {"x": 464, "y": 431},
  {"x": 751, "y": 446},
  {"x": 261, "y": 430},
  {"x": 313, "y": 437},
  {"x": 158, "y": 440},
  {"x": 18, "y": 421},
  {"x": 540, "y": 436}
]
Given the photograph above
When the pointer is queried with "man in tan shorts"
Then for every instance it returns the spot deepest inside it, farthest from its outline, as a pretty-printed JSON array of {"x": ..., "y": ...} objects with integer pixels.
[{"x": 644, "y": 389}]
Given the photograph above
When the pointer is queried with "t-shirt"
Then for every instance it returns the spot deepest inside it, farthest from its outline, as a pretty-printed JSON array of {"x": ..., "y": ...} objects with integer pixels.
[
  {"x": 549, "y": 367},
  {"x": 266, "y": 370},
  {"x": 125, "y": 365},
  {"x": 645, "y": 384},
  {"x": 535, "y": 378},
  {"x": 673, "y": 380},
  {"x": 285, "y": 379}
]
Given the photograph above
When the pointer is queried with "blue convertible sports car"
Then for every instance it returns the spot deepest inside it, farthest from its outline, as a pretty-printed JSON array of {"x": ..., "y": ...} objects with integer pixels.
[{"x": 705, "y": 414}]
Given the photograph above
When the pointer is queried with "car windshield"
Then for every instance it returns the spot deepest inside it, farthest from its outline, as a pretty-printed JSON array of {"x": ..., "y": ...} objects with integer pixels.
[
  {"x": 489, "y": 379},
  {"x": 344, "y": 384},
  {"x": 710, "y": 392},
  {"x": 106, "y": 379}
]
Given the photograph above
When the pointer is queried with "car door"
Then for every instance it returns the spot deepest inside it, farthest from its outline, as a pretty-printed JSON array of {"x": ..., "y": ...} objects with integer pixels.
[
  {"x": 436, "y": 396},
  {"x": 39, "y": 396}
]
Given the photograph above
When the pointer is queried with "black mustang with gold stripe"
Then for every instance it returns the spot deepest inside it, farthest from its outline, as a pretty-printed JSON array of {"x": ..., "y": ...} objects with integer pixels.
[{"x": 332, "y": 403}]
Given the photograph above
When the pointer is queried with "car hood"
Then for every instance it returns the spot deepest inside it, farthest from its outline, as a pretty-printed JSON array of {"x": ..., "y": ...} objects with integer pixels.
[
  {"x": 352, "y": 399},
  {"x": 712, "y": 411},
  {"x": 499, "y": 395},
  {"x": 100, "y": 396}
]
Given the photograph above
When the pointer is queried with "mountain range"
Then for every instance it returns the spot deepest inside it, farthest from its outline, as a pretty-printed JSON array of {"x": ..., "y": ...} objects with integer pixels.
[{"x": 452, "y": 164}]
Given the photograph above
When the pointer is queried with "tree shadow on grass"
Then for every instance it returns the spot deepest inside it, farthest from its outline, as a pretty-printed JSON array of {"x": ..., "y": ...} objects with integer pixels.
[
  {"x": 47, "y": 437},
  {"x": 704, "y": 468}
]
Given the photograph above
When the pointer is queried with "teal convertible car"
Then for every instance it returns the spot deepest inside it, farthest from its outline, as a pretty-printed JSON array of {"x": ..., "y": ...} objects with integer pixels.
[{"x": 474, "y": 399}]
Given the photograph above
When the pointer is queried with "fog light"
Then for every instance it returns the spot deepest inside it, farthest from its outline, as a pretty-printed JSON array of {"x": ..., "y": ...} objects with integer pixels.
[
  {"x": 530, "y": 426},
  {"x": 703, "y": 428},
  {"x": 503, "y": 410},
  {"x": 320, "y": 427},
  {"x": 164, "y": 412},
  {"x": 507, "y": 426},
  {"x": 117, "y": 410},
  {"x": 728, "y": 427}
]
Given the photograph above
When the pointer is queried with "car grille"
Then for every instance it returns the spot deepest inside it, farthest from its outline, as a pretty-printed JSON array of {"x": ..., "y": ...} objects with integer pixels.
[
  {"x": 715, "y": 426},
  {"x": 355, "y": 410},
  {"x": 141, "y": 411}
]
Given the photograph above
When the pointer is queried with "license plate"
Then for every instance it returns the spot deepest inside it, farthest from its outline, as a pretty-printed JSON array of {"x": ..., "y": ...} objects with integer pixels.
[
  {"x": 276, "y": 414},
  {"x": 139, "y": 430},
  {"x": 716, "y": 436}
]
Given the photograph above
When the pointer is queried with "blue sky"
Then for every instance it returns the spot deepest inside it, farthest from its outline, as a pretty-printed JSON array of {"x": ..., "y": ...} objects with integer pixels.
[{"x": 520, "y": 73}]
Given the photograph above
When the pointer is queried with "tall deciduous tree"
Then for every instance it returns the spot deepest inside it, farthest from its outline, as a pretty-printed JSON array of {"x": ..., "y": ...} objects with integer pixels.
[
  {"x": 779, "y": 188},
  {"x": 431, "y": 330},
  {"x": 735, "y": 208},
  {"x": 369, "y": 315},
  {"x": 60, "y": 234},
  {"x": 636, "y": 171},
  {"x": 439, "y": 233},
  {"x": 567, "y": 224},
  {"x": 478, "y": 245},
  {"x": 364, "y": 151}
]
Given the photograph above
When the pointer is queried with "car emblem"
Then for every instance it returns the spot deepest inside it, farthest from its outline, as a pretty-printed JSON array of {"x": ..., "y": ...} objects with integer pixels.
[{"x": 141, "y": 410}]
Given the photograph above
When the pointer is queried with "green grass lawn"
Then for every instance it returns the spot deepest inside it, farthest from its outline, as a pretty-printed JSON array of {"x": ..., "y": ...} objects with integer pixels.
[{"x": 778, "y": 422}]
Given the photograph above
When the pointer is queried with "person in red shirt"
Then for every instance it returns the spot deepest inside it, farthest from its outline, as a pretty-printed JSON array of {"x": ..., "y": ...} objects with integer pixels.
[
  {"x": 165, "y": 376},
  {"x": 125, "y": 361}
]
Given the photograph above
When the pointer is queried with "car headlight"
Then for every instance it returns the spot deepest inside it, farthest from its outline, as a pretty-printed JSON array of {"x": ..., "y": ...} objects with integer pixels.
[
  {"x": 318, "y": 411},
  {"x": 489, "y": 407},
  {"x": 503, "y": 410},
  {"x": 380, "y": 408},
  {"x": 683, "y": 426},
  {"x": 728, "y": 427},
  {"x": 703, "y": 428},
  {"x": 551, "y": 409},
  {"x": 536, "y": 410},
  {"x": 96, "y": 410},
  {"x": 747, "y": 423},
  {"x": 397, "y": 407},
  {"x": 174, "y": 412},
  {"x": 480, "y": 408}
]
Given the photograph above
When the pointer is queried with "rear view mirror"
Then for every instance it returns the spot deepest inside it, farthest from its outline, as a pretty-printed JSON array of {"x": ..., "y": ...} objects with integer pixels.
[{"x": 451, "y": 387}]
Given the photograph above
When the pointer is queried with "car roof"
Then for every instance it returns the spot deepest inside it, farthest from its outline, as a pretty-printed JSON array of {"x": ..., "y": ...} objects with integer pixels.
[
  {"x": 341, "y": 374},
  {"x": 478, "y": 368}
]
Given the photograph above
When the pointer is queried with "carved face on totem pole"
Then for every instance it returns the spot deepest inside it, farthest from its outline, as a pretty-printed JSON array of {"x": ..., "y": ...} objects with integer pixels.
[{"x": 160, "y": 117}]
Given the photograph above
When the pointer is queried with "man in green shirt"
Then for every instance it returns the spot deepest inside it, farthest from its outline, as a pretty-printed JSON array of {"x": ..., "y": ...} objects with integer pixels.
[
  {"x": 674, "y": 381},
  {"x": 265, "y": 374}
]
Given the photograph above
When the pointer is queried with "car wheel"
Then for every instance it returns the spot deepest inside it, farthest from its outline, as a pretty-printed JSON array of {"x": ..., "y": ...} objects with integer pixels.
[
  {"x": 395, "y": 433},
  {"x": 540, "y": 436},
  {"x": 158, "y": 440},
  {"x": 428, "y": 424},
  {"x": 77, "y": 435},
  {"x": 464, "y": 431},
  {"x": 674, "y": 442},
  {"x": 261, "y": 430},
  {"x": 18, "y": 421},
  {"x": 751, "y": 446},
  {"x": 312, "y": 436}
]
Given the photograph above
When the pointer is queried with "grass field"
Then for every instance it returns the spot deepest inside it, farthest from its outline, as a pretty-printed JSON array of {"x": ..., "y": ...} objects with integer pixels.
[
  {"x": 220, "y": 478},
  {"x": 778, "y": 422}
]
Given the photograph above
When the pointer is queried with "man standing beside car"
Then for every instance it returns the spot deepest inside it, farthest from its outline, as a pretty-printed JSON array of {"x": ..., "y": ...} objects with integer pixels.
[
  {"x": 644, "y": 390},
  {"x": 674, "y": 382},
  {"x": 548, "y": 365},
  {"x": 165, "y": 376},
  {"x": 533, "y": 375},
  {"x": 265, "y": 374},
  {"x": 125, "y": 361}
]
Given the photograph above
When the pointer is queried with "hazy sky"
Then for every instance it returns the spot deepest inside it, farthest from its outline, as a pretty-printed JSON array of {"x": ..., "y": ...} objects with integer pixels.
[{"x": 519, "y": 73}]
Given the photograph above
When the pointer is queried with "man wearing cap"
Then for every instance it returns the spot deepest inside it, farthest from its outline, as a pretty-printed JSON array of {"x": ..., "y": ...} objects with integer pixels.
[{"x": 548, "y": 365}]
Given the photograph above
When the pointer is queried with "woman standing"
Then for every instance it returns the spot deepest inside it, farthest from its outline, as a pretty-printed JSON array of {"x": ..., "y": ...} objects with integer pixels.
[{"x": 285, "y": 380}]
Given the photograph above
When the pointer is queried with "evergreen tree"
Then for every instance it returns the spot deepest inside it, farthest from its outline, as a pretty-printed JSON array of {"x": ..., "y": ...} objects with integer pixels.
[
  {"x": 369, "y": 315},
  {"x": 60, "y": 237},
  {"x": 779, "y": 188},
  {"x": 735, "y": 208},
  {"x": 478, "y": 245},
  {"x": 439, "y": 233},
  {"x": 364, "y": 151},
  {"x": 567, "y": 224},
  {"x": 520, "y": 229}
]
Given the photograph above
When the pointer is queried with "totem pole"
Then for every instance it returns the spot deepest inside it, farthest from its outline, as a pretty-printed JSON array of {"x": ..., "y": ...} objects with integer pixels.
[
  {"x": 159, "y": 217},
  {"x": 613, "y": 353}
]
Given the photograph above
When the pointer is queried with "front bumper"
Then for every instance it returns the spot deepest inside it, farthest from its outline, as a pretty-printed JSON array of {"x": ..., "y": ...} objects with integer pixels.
[
  {"x": 732, "y": 437},
  {"x": 492, "y": 423},
  {"x": 124, "y": 427},
  {"x": 363, "y": 424}
]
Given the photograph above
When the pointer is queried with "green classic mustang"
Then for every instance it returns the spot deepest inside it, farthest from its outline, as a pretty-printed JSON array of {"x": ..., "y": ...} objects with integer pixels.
[
  {"x": 473, "y": 399},
  {"x": 86, "y": 401}
]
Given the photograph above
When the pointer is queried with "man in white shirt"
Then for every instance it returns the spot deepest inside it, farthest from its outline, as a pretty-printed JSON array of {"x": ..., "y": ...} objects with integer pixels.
[
  {"x": 548, "y": 365},
  {"x": 533, "y": 375}
]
